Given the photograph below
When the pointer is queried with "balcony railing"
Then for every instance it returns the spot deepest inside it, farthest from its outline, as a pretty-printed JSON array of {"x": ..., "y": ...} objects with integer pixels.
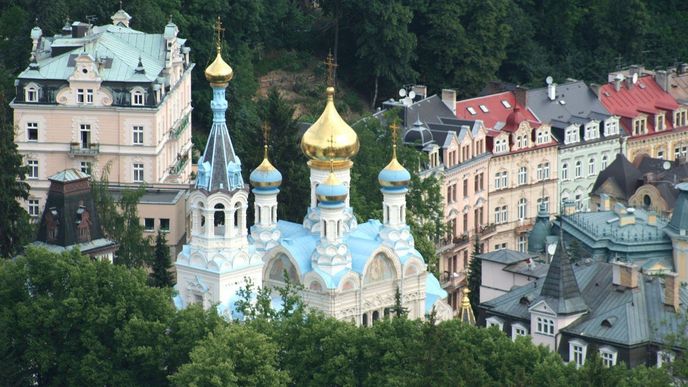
[
  {"x": 523, "y": 225},
  {"x": 179, "y": 165},
  {"x": 177, "y": 130},
  {"x": 77, "y": 149},
  {"x": 487, "y": 229},
  {"x": 452, "y": 281}
]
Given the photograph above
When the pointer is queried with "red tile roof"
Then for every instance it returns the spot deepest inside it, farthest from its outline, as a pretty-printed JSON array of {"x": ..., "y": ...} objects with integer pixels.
[
  {"x": 474, "y": 109},
  {"x": 646, "y": 96}
]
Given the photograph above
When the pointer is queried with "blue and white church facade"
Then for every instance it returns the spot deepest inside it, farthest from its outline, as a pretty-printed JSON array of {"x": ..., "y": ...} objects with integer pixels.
[{"x": 347, "y": 270}]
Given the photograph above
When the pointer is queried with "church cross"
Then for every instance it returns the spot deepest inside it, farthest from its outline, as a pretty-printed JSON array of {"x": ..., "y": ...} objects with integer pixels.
[
  {"x": 218, "y": 33},
  {"x": 331, "y": 66},
  {"x": 394, "y": 127},
  {"x": 266, "y": 135}
]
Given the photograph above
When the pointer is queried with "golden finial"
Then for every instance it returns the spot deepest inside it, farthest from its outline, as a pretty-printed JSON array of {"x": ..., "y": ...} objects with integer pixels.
[
  {"x": 266, "y": 136},
  {"x": 331, "y": 66},
  {"x": 466, "y": 313},
  {"x": 218, "y": 34},
  {"x": 394, "y": 127}
]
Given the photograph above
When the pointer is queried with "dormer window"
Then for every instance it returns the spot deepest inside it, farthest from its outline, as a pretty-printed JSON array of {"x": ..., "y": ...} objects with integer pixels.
[
  {"x": 137, "y": 98},
  {"x": 680, "y": 118},
  {"x": 31, "y": 93},
  {"x": 501, "y": 145},
  {"x": 659, "y": 122},
  {"x": 591, "y": 131},
  {"x": 611, "y": 127},
  {"x": 639, "y": 126},
  {"x": 542, "y": 137},
  {"x": 571, "y": 135}
]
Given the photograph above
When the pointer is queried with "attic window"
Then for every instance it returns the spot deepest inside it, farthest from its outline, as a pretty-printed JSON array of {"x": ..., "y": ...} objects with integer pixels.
[
  {"x": 506, "y": 104},
  {"x": 524, "y": 300},
  {"x": 608, "y": 322},
  {"x": 471, "y": 110},
  {"x": 484, "y": 108}
]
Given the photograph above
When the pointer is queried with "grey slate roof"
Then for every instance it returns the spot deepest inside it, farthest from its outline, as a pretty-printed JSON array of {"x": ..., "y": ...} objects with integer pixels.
[
  {"x": 616, "y": 314},
  {"x": 624, "y": 174},
  {"x": 560, "y": 289},
  {"x": 679, "y": 218},
  {"x": 580, "y": 104},
  {"x": 538, "y": 235},
  {"x": 218, "y": 155},
  {"x": 505, "y": 256}
]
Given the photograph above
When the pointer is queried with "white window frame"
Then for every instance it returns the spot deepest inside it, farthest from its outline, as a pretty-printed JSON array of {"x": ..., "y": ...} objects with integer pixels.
[
  {"x": 33, "y": 208},
  {"x": 591, "y": 166},
  {"x": 608, "y": 356},
  {"x": 138, "y": 173},
  {"x": 522, "y": 175},
  {"x": 33, "y": 169},
  {"x": 86, "y": 167},
  {"x": 660, "y": 154},
  {"x": 522, "y": 208},
  {"x": 138, "y": 97},
  {"x": 579, "y": 169},
  {"x": 494, "y": 321},
  {"x": 137, "y": 134},
  {"x": 577, "y": 352},
  {"x": 611, "y": 126},
  {"x": 80, "y": 96},
  {"x": 544, "y": 326},
  {"x": 89, "y": 96},
  {"x": 545, "y": 171},
  {"x": 522, "y": 242},
  {"x": 660, "y": 122},
  {"x": 605, "y": 162},
  {"x": 31, "y": 126},
  {"x": 565, "y": 171},
  {"x": 640, "y": 126},
  {"x": 664, "y": 357},
  {"x": 591, "y": 131},
  {"x": 517, "y": 330},
  {"x": 31, "y": 92}
]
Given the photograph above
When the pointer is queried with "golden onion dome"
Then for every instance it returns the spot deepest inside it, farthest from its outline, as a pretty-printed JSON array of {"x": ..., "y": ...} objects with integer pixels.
[
  {"x": 330, "y": 138},
  {"x": 219, "y": 72},
  {"x": 265, "y": 176},
  {"x": 394, "y": 175}
]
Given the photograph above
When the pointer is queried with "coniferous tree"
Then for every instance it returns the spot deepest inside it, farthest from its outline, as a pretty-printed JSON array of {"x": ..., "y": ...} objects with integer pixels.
[
  {"x": 15, "y": 229},
  {"x": 161, "y": 276},
  {"x": 474, "y": 275}
]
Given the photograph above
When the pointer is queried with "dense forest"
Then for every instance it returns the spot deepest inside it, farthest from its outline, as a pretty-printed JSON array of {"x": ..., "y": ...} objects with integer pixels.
[{"x": 67, "y": 320}]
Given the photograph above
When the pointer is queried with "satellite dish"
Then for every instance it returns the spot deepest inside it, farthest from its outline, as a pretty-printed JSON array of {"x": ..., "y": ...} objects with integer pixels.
[
  {"x": 402, "y": 92},
  {"x": 635, "y": 78},
  {"x": 551, "y": 249},
  {"x": 549, "y": 80},
  {"x": 666, "y": 165},
  {"x": 412, "y": 94}
]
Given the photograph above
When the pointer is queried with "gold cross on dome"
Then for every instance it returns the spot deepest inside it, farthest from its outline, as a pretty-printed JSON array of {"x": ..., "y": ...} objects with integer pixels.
[
  {"x": 218, "y": 33},
  {"x": 331, "y": 65},
  {"x": 266, "y": 136},
  {"x": 394, "y": 127}
]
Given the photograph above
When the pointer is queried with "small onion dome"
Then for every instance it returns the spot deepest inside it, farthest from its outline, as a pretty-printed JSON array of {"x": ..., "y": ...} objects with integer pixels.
[
  {"x": 514, "y": 118},
  {"x": 330, "y": 138},
  {"x": 394, "y": 176},
  {"x": 219, "y": 72},
  {"x": 266, "y": 176},
  {"x": 418, "y": 134},
  {"x": 331, "y": 191}
]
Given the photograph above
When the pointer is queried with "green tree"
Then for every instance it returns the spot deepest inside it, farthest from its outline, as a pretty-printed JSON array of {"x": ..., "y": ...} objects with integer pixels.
[
  {"x": 232, "y": 355},
  {"x": 69, "y": 320},
  {"x": 160, "y": 275},
  {"x": 15, "y": 230},
  {"x": 475, "y": 274}
]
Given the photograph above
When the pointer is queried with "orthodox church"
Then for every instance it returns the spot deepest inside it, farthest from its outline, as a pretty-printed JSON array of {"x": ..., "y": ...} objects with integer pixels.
[{"x": 347, "y": 270}]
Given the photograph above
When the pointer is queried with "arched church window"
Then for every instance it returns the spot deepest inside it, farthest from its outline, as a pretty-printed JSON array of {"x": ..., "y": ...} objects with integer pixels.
[
  {"x": 219, "y": 219},
  {"x": 237, "y": 209},
  {"x": 281, "y": 266},
  {"x": 365, "y": 319},
  {"x": 380, "y": 269},
  {"x": 376, "y": 316}
]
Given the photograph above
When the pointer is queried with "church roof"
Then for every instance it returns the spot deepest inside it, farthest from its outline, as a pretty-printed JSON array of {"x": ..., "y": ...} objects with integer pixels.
[
  {"x": 624, "y": 174},
  {"x": 216, "y": 159}
]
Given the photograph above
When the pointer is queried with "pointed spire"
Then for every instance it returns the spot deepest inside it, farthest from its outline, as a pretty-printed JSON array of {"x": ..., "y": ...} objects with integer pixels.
[
  {"x": 139, "y": 68},
  {"x": 560, "y": 289},
  {"x": 466, "y": 312}
]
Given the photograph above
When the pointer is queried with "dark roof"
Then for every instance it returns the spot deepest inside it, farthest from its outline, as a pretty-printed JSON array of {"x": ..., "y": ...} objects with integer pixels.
[
  {"x": 418, "y": 134},
  {"x": 626, "y": 176},
  {"x": 218, "y": 153},
  {"x": 537, "y": 237},
  {"x": 580, "y": 104},
  {"x": 427, "y": 110},
  {"x": 679, "y": 218},
  {"x": 505, "y": 256},
  {"x": 560, "y": 289}
]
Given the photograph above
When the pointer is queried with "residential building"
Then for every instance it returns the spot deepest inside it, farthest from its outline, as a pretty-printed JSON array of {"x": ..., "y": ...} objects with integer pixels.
[
  {"x": 458, "y": 156},
  {"x": 347, "y": 270},
  {"x": 588, "y": 136},
  {"x": 655, "y": 124},
  {"x": 70, "y": 220},
  {"x": 651, "y": 184},
  {"x": 673, "y": 80},
  {"x": 504, "y": 269},
  {"x": 97, "y": 98},
  {"x": 523, "y": 167},
  {"x": 588, "y": 308}
]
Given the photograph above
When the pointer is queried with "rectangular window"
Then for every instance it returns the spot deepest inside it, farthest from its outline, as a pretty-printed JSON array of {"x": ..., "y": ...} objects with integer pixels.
[
  {"x": 465, "y": 187},
  {"x": 138, "y": 99},
  {"x": 32, "y": 131},
  {"x": 89, "y": 96},
  {"x": 505, "y": 214},
  {"x": 608, "y": 357},
  {"x": 80, "y": 97},
  {"x": 85, "y": 167},
  {"x": 138, "y": 173},
  {"x": 33, "y": 169},
  {"x": 33, "y": 207},
  {"x": 138, "y": 135},
  {"x": 149, "y": 224},
  {"x": 164, "y": 224},
  {"x": 578, "y": 355},
  {"x": 659, "y": 122},
  {"x": 522, "y": 242},
  {"x": 31, "y": 94},
  {"x": 85, "y": 136},
  {"x": 545, "y": 326}
]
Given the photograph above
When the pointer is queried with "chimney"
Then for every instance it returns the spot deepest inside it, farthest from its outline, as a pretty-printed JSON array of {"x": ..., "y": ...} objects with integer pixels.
[
  {"x": 683, "y": 68},
  {"x": 617, "y": 81},
  {"x": 79, "y": 29},
  {"x": 672, "y": 288},
  {"x": 625, "y": 274},
  {"x": 521, "y": 96},
  {"x": 420, "y": 90},
  {"x": 662, "y": 78},
  {"x": 449, "y": 99},
  {"x": 552, "y": 91}
]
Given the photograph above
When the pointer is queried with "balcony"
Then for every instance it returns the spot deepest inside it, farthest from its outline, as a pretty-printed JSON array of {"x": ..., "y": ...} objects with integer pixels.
[
  {"x": 523, "y": 225},
  {"x": 487, "y": 229},
  {"x": 78, "y": 149},
  {"x": 178, "y": 129},
  {"x": 449, "y": 243},
  {"x": 179, "y": 165},
  {"x": 452, "y": 281}
]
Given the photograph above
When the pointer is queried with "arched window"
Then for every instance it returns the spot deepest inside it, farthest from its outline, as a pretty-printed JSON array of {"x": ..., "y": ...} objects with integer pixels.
[
  {"x": 219, "y": 219},
  {"x": 31, "y": 93},
  {"x": 237, "y": 210},
  {"x": 565, "y": 171},
  {"x": 365, "y": 319},
  {"x": 376, "y": 316},
  {"x": 579, "y": 169},
  {"x": 605, "y": 160},
  {"x": 137, "y": 98},
  {"x": 591, "y": 166},
  {"x": 522, "y": 207}
]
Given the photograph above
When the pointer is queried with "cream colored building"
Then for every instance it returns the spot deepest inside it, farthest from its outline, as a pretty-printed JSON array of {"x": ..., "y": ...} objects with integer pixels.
[{"x": 97, "y": 97}]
